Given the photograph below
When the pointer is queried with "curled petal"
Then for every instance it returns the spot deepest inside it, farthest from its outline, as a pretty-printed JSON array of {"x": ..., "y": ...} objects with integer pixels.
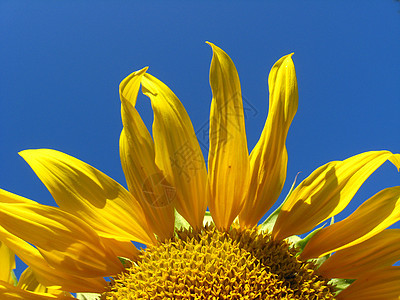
[
  {"x": 145, "y": 180},
  {"x": 228, "y": 161},
  {"x": 268, "y": 160},
  {"x": 372, "y": 217},
  {"x": 129, "y": 87},
  {"x": 326, "y": 192},
  {"x": 177, "y": 150}
]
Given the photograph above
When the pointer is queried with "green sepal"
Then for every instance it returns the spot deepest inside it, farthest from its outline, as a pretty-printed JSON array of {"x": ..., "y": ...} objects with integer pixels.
[
  {"x": 300, "y": 243},
  {"x": 294, "y": 239},
  {"x": 126, "y": 262},
  {"x": 269, "y": 223},
  {"x": 208, "y": 218},
  {"x": 88, "y": 296},
  {"x": 320, "y": 260},
  {"x": 14, "y": 278},
  {"x": 303, "y": 242},
  {"x": 340, "y": 284},
  {"x": 180, "y": 222}
]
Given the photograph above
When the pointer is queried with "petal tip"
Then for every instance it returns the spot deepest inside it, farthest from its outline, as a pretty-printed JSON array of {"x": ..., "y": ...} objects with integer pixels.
[
  {"x": 214, "y": 47},
  {"x": 21, "y": 153},
  {"x": 25, "y": 153},
  {"x": 143, "y": 70},
  {"x": 140, "y": 72},
  {"x": 288, "y": 58},
  {"x": 28, "y": 153},
  {"x": 395, "y": 160}
]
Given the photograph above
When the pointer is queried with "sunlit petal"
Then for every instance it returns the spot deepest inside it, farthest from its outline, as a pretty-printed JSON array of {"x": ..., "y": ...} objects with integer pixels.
[
  {"x": 46, "y": 274},
  {"x": 228, "y": 161},
  {"x": 7, "y": 263},
  {"x": 177, "y": 150},
  {"x": 268, "y": 160},
  {"x": 121, "y": 248},
  {"x": 90, "y": 195},
  {"x": 145, "y": 180},
  {"x": 373, "y": 216},
  {"x": 326, "y": 192},
  {"x": 28, "y": 281},
  {"x": 9, "y": 292},
  {"x": 65, "y": 241},
  {"x": 380, "y": 251}
]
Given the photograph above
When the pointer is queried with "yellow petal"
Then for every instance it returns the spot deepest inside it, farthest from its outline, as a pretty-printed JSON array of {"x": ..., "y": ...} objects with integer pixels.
[
  {"x": 149, "y": 186},
  {"x": 46, "y": 274},
  {"x": 138, "y": 162},
  {"x": 145, "y": 180},
  {"x": 7, "y": 263},
  {"x": 379, "y": 285},
  {"x": 28, "y": 281},
  {"x": 268, "y": 160},
  {"x": 380, "y": 251},
  {"x": 65, "y": 241},
  {"x": 129, "y": 88},
  {"x": 7, "y": 197},
  {"x": 90, "y": 195},
  {"x": 122, "y": 249},
  {"x": 373, "y": 216},
  {"x": 9, "y": 292},
  {"x": 177, "y": 151},
  {"x": 326, "y": 192},
  {"x": 228, "y": 161}
]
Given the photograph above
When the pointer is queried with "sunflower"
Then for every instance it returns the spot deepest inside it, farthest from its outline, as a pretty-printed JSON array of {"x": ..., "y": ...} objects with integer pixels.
[{"x": 192, "y": 252}]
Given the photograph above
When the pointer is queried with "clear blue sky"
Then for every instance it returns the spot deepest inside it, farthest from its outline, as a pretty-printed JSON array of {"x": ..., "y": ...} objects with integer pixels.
[{"x": 62, "y": 61}]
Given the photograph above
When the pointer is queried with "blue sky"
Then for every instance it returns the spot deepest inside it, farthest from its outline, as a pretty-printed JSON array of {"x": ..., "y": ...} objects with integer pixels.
[{"x": 61, "y": 64}]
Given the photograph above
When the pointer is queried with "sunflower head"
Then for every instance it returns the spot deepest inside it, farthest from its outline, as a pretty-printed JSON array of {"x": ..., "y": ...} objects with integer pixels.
[{"x": 208, "y": 263}]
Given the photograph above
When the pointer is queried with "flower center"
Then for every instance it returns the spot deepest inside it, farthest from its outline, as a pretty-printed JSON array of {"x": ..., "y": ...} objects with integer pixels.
[{"x": 209, "y": 264}]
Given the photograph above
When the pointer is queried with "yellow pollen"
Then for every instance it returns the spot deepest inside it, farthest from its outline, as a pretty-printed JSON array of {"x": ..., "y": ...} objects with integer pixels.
[{"x": 209, "y": 264}]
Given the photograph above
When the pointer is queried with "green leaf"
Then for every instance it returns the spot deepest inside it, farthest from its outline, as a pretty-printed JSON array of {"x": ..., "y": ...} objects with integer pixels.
[
  {"x": 87, "y": 296},
  {"x": 269, "y": 223}
]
